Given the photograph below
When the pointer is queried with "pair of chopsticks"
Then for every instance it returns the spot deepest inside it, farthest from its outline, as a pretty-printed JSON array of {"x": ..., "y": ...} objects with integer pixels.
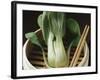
[{"x": 79, "y": 47}]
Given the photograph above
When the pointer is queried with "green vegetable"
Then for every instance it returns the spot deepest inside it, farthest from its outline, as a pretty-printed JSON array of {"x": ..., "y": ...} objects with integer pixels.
[
  {"x": 33, "y": 38},
  {"x": 73, "y": 31},
  {"x": 56, "y": 27}
]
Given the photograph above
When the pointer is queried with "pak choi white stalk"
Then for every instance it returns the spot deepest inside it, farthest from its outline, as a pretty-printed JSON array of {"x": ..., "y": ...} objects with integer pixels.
[
  {"x": 51, "y": 52},
  {"x": 62, "y": 58}
]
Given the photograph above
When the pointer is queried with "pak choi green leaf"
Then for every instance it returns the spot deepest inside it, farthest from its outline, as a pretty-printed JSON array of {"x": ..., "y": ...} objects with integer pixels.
[{"x": 33, "y": 38}]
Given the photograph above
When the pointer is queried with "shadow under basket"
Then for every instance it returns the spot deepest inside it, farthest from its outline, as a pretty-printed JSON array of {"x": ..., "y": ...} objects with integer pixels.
[{"x": 33, "y": 57}]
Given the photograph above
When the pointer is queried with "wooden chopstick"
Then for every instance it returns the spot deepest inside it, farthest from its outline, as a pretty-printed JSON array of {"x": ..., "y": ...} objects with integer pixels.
[{"x": 79, "y": 47}]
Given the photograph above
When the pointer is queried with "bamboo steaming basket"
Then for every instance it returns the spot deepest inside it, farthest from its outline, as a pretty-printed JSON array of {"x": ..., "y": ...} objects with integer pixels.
[{"x": 33, "y": 58}]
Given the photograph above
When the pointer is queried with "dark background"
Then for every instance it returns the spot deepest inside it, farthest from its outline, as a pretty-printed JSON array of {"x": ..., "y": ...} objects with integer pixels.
[{"x": 30, "y": 23}]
